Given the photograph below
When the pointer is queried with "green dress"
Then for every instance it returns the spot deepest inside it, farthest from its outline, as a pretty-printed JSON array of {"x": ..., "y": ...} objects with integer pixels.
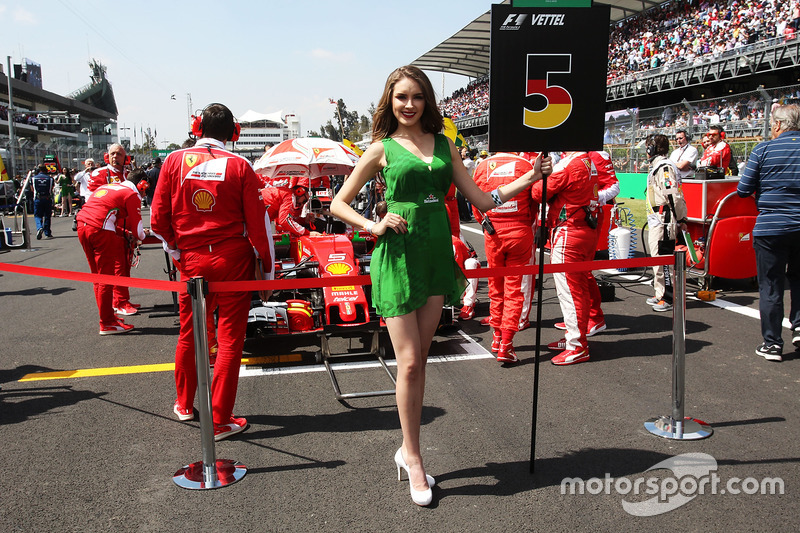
[
  {"x": 66, "y": 185},
  {"x": 407, "y": 268}
]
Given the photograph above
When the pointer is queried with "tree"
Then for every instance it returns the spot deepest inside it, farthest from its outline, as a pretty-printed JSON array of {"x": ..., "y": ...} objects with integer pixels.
[
  {"x": 174, "y": 146},
  {"x": 146, "y": 148},
  {"x": 355, "y": 125},
  {"x": 149, "y": 142},
  {"x": 331, "y": 132}
]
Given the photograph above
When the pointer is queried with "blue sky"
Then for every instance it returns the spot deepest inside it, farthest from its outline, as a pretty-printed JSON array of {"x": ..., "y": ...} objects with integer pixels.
[{"x": 267, "y": 56}]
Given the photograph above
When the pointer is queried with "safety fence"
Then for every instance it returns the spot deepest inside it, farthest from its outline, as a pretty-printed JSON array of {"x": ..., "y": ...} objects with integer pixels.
[
  {"x": 211, "y": 472},
  {"x": 744, "y": 117},
  {"x": 30, "y": 154}
]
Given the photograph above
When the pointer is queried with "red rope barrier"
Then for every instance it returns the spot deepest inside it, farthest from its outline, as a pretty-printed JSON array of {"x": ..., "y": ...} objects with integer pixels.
[
  {"x": 306, "y": 283},
  {"x": 159, "y": 285}
]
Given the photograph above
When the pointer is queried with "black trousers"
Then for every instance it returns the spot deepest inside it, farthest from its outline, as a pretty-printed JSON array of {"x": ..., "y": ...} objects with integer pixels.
[{"x": 777, "y": 259}]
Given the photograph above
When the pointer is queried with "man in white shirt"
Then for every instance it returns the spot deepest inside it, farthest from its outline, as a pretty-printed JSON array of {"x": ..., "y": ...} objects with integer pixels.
[
  {"x": 82, "y": 187},
  {"x": 464, "y": 208},
  {"x": 469, "y": 164},
  {"x": 80, "y": 179},
  {"x": 685, "y": 155}
]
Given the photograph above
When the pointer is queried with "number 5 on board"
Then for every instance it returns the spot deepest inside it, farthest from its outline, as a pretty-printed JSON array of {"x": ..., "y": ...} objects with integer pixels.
[{"x": 558, "y": 100}]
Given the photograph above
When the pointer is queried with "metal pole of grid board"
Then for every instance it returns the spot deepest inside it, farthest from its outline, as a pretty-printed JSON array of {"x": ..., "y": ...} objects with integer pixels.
[{"x": 542, "y": 232}]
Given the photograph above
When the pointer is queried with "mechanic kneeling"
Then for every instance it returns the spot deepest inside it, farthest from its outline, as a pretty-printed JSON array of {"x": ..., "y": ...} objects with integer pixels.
[{"x": 285, "y": 207}]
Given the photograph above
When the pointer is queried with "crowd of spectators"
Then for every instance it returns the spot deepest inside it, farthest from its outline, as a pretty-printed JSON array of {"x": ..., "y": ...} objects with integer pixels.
[
  {"x": 676, "y": 33},
  {"x": 741, "y": 115},
  {"x": 689, "y": 31},
  {"x": 22, "y": 118},
  {"x": 469, "y": 101}
]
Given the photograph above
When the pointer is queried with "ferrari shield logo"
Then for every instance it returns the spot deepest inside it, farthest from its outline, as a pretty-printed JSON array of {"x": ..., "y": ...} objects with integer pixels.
[
  {"x": 190, "y": 160},
  {"x": 492, "y": 165}
]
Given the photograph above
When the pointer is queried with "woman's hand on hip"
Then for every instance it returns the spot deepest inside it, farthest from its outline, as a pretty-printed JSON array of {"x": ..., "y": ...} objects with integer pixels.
[{"x": 391, "y": 221}]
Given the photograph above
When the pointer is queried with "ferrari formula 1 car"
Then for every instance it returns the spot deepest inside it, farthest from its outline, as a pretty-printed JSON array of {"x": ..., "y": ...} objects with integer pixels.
[
  {"x": 339, "y": 310},
  {"x": 308, "y": 310}
]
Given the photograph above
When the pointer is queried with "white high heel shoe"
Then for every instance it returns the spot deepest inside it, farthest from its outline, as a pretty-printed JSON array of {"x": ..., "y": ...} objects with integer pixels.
[{"x": 420, "y": 497}]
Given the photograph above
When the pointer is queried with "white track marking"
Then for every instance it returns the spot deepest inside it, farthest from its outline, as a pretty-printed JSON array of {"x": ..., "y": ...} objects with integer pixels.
[{"x": 472, "y": 349}]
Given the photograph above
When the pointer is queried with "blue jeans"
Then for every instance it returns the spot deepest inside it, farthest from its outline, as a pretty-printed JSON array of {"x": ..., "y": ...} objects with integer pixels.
[
  {"x": 777, "y": 257},
  {"x": 42, "y": 210}
]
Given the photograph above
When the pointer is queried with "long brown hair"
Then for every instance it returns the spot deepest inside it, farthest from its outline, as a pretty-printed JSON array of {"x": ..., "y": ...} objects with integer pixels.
[{"x": 384, "y": 123}]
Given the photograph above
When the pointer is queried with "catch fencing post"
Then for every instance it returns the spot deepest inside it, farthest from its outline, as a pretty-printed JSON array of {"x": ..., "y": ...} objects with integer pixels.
[
  {"x": 210, "y": 473},
  {"x": 677, "y": 426}
]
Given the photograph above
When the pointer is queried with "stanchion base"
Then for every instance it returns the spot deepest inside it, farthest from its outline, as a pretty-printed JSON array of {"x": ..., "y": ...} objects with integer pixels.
[
  {"x": 664, "y": 426},
  {"x": 191, "y": 476}
]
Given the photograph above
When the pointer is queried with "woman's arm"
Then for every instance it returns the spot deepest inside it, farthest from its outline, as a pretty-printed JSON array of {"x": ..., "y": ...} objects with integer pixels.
[
  {"x": 483, "y": 200},
  {"x": 370, "y": 164}
]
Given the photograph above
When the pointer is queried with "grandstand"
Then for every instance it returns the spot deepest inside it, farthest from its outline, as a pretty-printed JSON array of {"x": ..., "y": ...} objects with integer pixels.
[{"x": 683, "y": 64}]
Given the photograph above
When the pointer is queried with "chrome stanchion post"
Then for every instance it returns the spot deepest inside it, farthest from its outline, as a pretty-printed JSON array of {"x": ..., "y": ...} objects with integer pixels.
[
  {"x": 679, "y": 342},
  {"x": 26, "y": 236},
  {"x": 23, "y": 202},
  {"x": 677, "y": 426},
  {"x": 210, "y": 473},
  {"x": 199, "y": 289}
]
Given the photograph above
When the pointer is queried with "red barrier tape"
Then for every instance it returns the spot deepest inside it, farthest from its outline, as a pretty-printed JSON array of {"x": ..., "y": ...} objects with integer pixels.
[
  {"x": 174, "y": 286},
  {"x": 305, "y": 283},
  {"x": 581, "y": 266}
]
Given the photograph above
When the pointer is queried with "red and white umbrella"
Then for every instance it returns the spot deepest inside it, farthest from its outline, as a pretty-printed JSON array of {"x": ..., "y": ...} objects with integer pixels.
[{"x": 311, "y": 157}]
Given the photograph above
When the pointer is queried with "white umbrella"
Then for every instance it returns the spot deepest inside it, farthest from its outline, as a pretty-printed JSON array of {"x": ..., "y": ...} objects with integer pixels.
[{"x": 311, "y": 157}]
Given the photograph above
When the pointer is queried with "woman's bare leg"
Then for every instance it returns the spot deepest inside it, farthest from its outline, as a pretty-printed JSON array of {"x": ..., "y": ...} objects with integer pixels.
[{"x": 411, "y": 337}]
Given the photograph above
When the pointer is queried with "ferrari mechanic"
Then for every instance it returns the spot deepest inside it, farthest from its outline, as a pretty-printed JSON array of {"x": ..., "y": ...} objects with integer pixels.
[{"x": 208, "y": 212}]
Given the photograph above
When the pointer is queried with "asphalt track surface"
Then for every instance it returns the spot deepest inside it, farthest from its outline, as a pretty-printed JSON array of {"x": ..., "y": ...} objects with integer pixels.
[{"x": 97, "y": 453}]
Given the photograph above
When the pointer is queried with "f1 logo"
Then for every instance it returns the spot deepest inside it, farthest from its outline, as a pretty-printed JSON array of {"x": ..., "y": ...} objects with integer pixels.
[
  {"x": 514, "y": 19},
  {"x": 558, "y": 101}
]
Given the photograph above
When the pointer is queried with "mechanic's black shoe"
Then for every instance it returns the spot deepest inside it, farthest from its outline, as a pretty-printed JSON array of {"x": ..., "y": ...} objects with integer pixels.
[
  {"x": 39, "y": 234},
  {"x": 770, "y": 352}
]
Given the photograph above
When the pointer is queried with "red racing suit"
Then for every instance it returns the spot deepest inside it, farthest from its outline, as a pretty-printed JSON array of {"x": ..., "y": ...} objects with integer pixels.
[
  {"x": 512, "y": 243},
  {"x": 282, "y": 211},
  {"x": 718, "y": 155},
  {"x": 451, "y": 204},
  {"x": 608, "y": 189},
  {"x": 106, "y": 223},
  {"x": 103, "y": 176},
  {"x": 528, "y": 280},
  {"x": 208, "y": 212},
  {"x": 570, "y": 188},
  {"x": 608, "y": 184},
  {"x": 467, "y": 259}
]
